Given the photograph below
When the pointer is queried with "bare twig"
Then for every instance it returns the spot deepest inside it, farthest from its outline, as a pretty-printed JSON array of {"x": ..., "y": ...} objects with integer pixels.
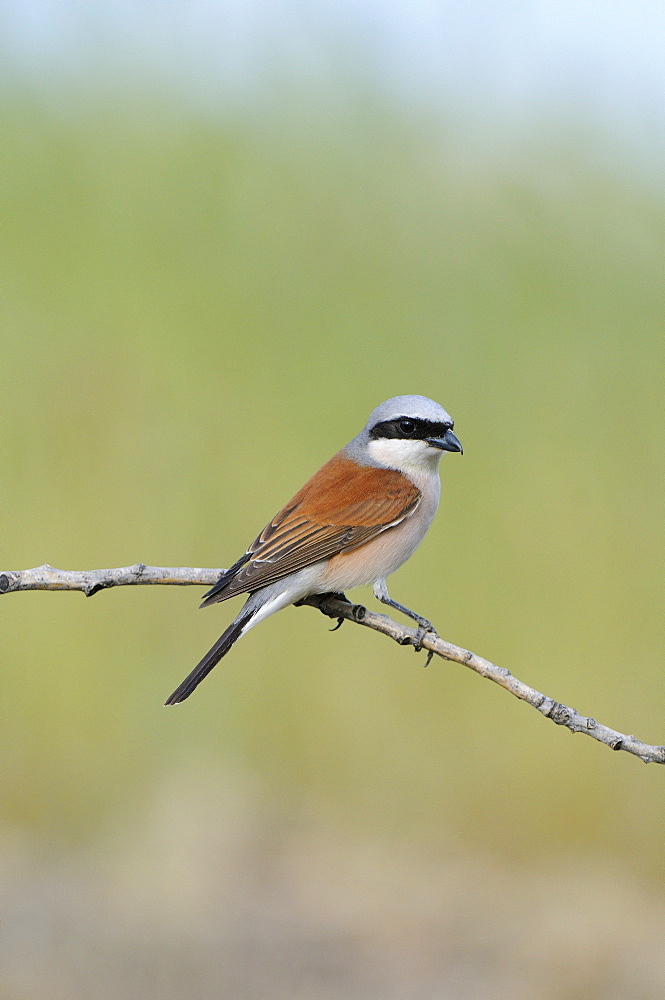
[{"x": 91, "y": 581}]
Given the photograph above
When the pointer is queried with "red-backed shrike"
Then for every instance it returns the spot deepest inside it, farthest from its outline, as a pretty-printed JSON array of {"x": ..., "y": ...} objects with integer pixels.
[{"x": 354, "y": 522}]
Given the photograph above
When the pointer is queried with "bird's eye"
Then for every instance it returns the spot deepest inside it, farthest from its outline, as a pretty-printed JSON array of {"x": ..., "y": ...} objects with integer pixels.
[{"x": 407, "y": 427}]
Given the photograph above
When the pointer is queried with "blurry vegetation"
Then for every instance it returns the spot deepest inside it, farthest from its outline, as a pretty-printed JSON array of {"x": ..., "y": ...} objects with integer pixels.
[{"x": 198, "y": 311}]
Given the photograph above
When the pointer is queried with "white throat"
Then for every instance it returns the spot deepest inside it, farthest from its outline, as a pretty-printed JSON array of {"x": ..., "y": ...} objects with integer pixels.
[{"x": 415, "y": 459}]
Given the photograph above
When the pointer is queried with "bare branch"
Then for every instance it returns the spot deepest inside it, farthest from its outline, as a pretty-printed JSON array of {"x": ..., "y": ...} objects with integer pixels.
[{"x": 91, "y": 581}]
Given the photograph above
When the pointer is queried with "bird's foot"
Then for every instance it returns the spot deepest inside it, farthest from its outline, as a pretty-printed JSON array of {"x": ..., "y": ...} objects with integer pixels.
[
  {"x": 425, "y": 628},
  {"x": 424, "y": 624}
]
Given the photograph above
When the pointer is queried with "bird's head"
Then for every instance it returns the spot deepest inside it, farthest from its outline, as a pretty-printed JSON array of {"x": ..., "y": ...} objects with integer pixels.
[{"x": 406, "y": 432}]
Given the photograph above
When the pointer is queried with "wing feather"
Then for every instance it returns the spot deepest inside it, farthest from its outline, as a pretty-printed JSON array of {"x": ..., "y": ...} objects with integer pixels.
[{"x": 346, "y": 505}]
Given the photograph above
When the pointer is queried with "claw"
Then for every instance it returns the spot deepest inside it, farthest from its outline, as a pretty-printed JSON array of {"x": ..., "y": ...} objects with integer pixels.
[
  {"x": 340, "y": 622},
  {"x": 418, "y": 641}
]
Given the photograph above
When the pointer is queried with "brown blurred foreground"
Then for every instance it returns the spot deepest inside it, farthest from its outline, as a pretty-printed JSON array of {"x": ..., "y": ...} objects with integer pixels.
[{"x": 199, "y": 903}]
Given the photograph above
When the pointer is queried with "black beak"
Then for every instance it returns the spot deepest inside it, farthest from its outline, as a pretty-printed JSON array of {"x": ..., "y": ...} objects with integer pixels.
[{"x": 446, "y": 443}]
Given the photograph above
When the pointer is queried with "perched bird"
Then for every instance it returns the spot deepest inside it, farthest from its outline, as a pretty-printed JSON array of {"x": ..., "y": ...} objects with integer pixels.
[{"x": 353, "y": 523}]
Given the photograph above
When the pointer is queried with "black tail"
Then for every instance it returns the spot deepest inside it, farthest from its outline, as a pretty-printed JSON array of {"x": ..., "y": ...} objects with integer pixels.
[{"x": 213, "y": 656}]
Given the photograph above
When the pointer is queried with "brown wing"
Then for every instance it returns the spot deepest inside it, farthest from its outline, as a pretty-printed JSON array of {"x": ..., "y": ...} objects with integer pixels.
[{"x": 346, "y": 505}]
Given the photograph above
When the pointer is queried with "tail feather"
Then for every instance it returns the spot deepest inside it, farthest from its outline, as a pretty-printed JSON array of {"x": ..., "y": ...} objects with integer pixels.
[{"x": 212, "y": 657}]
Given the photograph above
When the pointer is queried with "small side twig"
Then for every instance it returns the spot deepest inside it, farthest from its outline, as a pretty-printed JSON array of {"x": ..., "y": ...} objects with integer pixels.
[{"x": 334, "y": 606}]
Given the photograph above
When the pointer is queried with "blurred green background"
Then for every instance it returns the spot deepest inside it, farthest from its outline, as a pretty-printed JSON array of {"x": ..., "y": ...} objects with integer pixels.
[{"x": 199, "y": 307}]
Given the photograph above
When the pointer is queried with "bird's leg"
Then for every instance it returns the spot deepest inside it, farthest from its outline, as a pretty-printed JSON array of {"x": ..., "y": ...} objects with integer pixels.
[
  {"x": 381, "y": 594},
  {"x": 424, "y": 624}
]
